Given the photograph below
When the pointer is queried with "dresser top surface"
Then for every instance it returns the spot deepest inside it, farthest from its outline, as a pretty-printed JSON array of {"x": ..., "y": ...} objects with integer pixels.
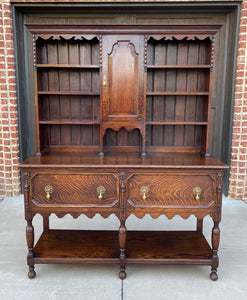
[{"x": 168, "y": 160}]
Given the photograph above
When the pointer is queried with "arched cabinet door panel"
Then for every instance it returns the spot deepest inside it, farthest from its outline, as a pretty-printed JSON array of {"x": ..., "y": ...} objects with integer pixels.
[{"x": 123, "y": 79}]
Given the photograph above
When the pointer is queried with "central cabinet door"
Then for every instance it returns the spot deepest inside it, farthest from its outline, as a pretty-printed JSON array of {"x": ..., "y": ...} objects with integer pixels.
[{"x": 123, "y": 79}]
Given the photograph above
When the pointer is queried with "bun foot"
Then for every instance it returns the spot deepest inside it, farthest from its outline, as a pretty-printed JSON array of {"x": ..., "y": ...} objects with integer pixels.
[
  {"x": 213, "y": 276},
  {"x": 31, "y": 274},
  {"x": 122, "y": 274}
]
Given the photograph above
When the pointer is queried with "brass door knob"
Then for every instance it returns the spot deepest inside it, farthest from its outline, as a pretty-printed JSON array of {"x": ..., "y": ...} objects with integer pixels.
[
  {"x": 101, "y": 190},
  {"x": 197, "y": 191},
  {"x": 48, "y": 191},
  {"x": 144, "y": 191}
]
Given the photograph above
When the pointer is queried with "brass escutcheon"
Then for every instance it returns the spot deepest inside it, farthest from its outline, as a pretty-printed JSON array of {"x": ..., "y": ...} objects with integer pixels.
[
  {"x": 100, "y": 191},
  {"x": 48, "y": 191},
  {"x": 197, "y": 191},
  {"x": 144, "y": 191}
]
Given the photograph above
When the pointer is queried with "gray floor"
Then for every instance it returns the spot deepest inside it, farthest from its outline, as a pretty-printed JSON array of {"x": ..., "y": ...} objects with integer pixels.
[{"x": 143, "y": 282}]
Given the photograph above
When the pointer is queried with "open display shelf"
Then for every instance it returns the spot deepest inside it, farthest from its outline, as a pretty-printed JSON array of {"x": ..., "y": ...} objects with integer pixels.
[{"x": 78, "y": 246}]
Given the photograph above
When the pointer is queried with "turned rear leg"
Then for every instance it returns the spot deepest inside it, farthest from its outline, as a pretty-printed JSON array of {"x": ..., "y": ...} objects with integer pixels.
[
  {"x": 215, "y": 246},
  {"x": 30, "y": 255}
]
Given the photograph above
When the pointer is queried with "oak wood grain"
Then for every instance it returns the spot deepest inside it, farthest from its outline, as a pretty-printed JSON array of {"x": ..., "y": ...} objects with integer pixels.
[{"x": 168, "y": 160}]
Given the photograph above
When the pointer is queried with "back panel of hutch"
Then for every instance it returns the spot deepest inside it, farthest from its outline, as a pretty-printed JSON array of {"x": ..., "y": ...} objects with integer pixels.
[{"x": 123, "y": 120}]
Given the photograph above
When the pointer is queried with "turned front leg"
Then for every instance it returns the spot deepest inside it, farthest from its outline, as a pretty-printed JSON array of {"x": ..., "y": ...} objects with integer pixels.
[
  {"x": 215, "y": 246},
  {"x": 122, "y": 244},
  {"x": 30, "y": 243}
]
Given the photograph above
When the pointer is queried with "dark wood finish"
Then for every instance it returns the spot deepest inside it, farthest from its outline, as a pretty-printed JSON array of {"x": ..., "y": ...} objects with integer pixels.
[
  {"x": 170, "y": 65},
  {"x": 106, "y": 89},
  {"x": 68, "y": 91},
  {"x": 170, "y": 178},
  {"x": 178, "y": 92}
]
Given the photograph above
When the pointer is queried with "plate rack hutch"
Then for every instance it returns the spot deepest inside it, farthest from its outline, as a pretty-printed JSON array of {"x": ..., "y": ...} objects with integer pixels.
[{"x": 123, "y": 120}]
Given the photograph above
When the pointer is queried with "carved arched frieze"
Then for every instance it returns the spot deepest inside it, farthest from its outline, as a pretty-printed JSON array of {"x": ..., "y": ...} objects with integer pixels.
[
  {"x": 117, "y": 127},
  {"x": 66, "y": 36},
  {"x": 75, "y": 214},
  {"x": 179, "y": 37},
  {"x": 170, "y": 215},
  {"x": 126, "y": 44}
]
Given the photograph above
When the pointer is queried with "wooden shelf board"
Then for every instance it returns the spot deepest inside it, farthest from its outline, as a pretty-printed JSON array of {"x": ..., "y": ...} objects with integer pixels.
[
  {"x": 177, "y": 93},
  {"x": 173, "y": 149},
  {"x": 178, "y": 67},
  {"x": 67, "y": 66},
  {"x": 170, "y": 160},
  {"x": 175, "y": 123},
  {"x": 70, "y": 122},
  {"x": 71, "y": 148},
  {"x": 77, "y": 246},
  {"x": 167, "y": 245},
  {"x": 69, "y": 93}
]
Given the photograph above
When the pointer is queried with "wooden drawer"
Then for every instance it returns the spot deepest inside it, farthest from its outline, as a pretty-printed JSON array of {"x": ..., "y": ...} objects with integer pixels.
[
  {"x": 170, "y": 190},
  {"x": 75, "y": 189}
]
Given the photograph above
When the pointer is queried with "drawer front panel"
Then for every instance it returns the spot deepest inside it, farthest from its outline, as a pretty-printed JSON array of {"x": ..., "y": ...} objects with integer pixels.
[
  {"x": 170, "y": 190},
  {"x": 75, "y": 189}
]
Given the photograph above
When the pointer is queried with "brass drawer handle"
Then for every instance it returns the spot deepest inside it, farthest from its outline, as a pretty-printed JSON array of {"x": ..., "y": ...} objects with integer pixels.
[
  {"x": 100, "y": 191},
  {"x": 48, "y": 191},
  {"x": 144, "y": 191},
  {"x": 197, "y": 191}
]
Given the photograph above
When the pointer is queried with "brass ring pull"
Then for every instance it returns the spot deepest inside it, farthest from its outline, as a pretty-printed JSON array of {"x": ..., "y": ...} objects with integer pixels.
[
  {"x": 197, "y": 191},
  {"x": 144, "y": 191},
  {"x": 100, "y": 191},
  {"x": 48, "y": 191}
]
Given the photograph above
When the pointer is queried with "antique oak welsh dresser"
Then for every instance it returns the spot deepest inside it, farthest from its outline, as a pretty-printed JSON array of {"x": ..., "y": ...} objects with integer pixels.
[{"x": 123, "y": 117}]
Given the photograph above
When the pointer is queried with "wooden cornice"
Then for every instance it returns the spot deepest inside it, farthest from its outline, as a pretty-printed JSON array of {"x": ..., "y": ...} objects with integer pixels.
[{"x": 157, "y": 32}]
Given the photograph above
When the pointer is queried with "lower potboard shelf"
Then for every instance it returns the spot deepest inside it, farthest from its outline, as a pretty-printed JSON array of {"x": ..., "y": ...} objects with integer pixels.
[{"x": 102, "y": 247}]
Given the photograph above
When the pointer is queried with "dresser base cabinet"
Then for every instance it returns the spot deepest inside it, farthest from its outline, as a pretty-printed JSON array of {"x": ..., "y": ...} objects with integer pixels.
[{"x": 123, "y": 184}]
